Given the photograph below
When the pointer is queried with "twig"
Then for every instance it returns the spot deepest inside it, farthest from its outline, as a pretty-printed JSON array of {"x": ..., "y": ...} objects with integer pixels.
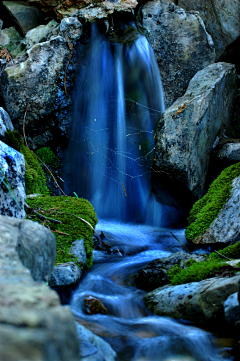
[
  {"x": 24, "y": 118},
  {"x": 222, "y": 275},
  {"x": 124, "y": 190},
  {"x": 62, "y": 233},
  {"x": 43, "y": 218},
  {"x": 180, "y": 243},
  {"x": 83, "y": 220},
  {"x": 223, "y": 256}
]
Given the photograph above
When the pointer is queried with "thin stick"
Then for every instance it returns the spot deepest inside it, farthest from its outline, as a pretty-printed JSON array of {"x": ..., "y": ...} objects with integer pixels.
[
  {"x": 223, "y": 256},
  {"x": 61, "y": 233},
  {"x": 180, "y": 243},
  {"x": 222, "y": 275},
  {"x": 24, "y": 118},
  {"x": 83, "y": 220}
]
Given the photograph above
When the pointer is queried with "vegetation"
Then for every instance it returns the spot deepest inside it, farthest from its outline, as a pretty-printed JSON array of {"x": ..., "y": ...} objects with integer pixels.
[
  {"x": 205, "y": 210},
  {"x": 66, "y": 210},
  {"x": 48, "y": 157}
]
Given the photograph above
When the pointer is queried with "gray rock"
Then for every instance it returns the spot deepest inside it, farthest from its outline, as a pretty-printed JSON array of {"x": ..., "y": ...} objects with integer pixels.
[
  {"x": 229, "y": 152},
  {"x": 186, "y": 301},
  {"x": 1, "y": 24},
  {"x": 14, "y": 46},
  {"x": 225, "y": 228},
  {"x": 92, "y": 347},
  {"x": 188, "y": 129},
  {"x": 40, "y": 33},
  {"x": 26, "y": 17},
  {"x": 181, "y": 45},
  {"x": 78, "y": 250},
  {"x": 221, "y": 18},
  {"x": 5, "y": 122},
  {"x": 155, "y": 274},
  {"x": 71, "y": 27},
  {"x": 4, "y": 39},
  {"x": 12, "y": 170},
  {"x": 33, "y": 324},
  {"x": 65, "y": 274},
  {"x": 232, "y": 309}
]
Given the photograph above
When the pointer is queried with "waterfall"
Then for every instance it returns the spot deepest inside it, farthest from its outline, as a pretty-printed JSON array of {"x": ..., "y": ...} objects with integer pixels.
[{"x": 118, "y": 101}]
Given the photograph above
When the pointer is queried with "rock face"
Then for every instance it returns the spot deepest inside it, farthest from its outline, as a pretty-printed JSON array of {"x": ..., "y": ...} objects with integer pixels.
[
  {"x": 12, "y": 170},
  {"x": 229, "y": 152},
  {"x": 181, "y": 45},
  {"x": 33, "y": 325},
  {"x": 186, "y": 301},
  {"x": 87, "y": 9},
  {"x": 221, "y": 18},
  {"x": 232, "y": 309},
  {"x": 5, "y": 122},
  {"x": 155, "y": 275},
  {"x": 65, "y": 274},
  {"x": 78, "y": 250},
  {"x": 188, "y": 129},
  {"x": 225, "y": 228},
  {"x": 40, "y": 33}
]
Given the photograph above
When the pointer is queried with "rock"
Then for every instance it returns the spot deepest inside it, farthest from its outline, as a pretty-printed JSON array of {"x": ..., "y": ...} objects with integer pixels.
[
  {"x": 232, "y": 309},
  {"x": 225, "y": 229},
  {"x": 14, "y": 45},
  {"x": 93, "y": 306},
  {"x": 155, "y": 275},
  {"x": 187, "y": 302},
  {"x": 229, "y": 152},
  {"x": 12, "y": 170},
  {"x": 78, "y": 250},
  {"x": 188, "y": 129},
  {"x": 71, "y": 27},
  {"x": 33, "y": 325},
  {"x": 39, "y": 34},
  {"x": 221, "y": 18},
  {"x": 181, "y": 45},
  {"x": 35, "y": 245},
  {"x": 92, "y": 347},
  {"x": 26, "y": 17},
  {"x": 5, "y": 122},
  {"x": 65, "y": 274},
  {"x": 85, "y": 9},
  {"x": 4, "y": 39}
]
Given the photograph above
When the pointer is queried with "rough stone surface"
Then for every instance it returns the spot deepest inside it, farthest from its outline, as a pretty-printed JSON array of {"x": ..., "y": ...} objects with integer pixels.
[
  {"x": 187, "y": 302},
  {"x": 33, "y": 325},
  {"x": 5, "y": 122},
  {"x": 14, "y": 46},
  {"x": 12, "y": 170},
  {"x": 4, "y": 39},
  {"x": 26, "y": 17},
  {"x": 155, "y": 275},
  {"x": 181, "y": 45},
  {"x": 92, "y": 347},
  {"x": 232, "y": 309},
  {"x": 229, "y": 152},
  {"x": 87, "y": 9},
  {"x": 221, "y": 17},
  {"x": 92, "y": 306},
  {"x": 78, "y": 250},
  {"x": 71, "y": 27},
  {"x": 188, "y": 129},
  {"x": 35, "y": 245},
  {"x": 225, "y": 228},
  {"x": 65, "y": 274},
  {"x": 39, "y": 34}
]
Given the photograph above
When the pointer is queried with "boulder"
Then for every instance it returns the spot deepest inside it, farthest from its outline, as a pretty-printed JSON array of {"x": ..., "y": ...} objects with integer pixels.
[
  {"x": 66, "y": 274},
  {"x": 5, "y": 122},
  {"x": 181, "y": 45},
  {"x": 33, "y": 325},
  {"x": 92, "y": 306},
  {"x": 187, "y": 130},
  {"x": 12, "y": 172},
  {"x": 229, "y": 152},
  {"x": 78, "y": 250},
  {"x": 155, "y": 274},
  {"x": 221, "y": 18},
  {"x": 194, "y": 301},
  {"x": 40, "y": 34},
  {"x": 93, "y": 347},
  {"x": 225, "y": 229},
  {"x": 232, "y": 309},
  {"x": 26, "y": 17}
]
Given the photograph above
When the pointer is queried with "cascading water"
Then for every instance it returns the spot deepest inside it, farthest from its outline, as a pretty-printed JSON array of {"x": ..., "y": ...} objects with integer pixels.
[{"x": 118, "y": 102}]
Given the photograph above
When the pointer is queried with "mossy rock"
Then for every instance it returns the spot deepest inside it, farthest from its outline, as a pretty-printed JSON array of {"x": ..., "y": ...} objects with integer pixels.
[
  {"x": 48, "y": 157},
  {"x": 206, "y": 209},
  {"x": 66, "y": 210}
]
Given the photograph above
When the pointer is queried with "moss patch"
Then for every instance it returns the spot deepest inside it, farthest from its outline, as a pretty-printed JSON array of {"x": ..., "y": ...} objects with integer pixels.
[
  {"x": 35, "y": 179},
  {"x": 205, "y": 210},
  {"x": 48, "y": 157},
  {"x": 72, "y": 227}
]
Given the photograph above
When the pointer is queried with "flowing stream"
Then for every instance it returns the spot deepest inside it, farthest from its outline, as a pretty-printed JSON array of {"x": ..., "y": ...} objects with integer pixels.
[{"x": 118, "y": 103}]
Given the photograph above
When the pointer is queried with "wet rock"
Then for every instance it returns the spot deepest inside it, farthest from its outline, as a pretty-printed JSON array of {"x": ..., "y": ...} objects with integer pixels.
[
  {"x": 12, "y": 170},
  {"x": 65, "y": 274},
  {"x": 194, "y": 301},
  {"x": 5, "y": 122},
  {"x": 181, "y": 45},
  {"x": 232, "y": 309},
  {"x": 39, "y": 34},
  {"x": 33, "y": 325},
  {"x": 93, "y": 306},
  {"x": 78, "y": 250},
  {"x": 13, "y": 46},
  {"x": 71, "y": 27},
  {"x": 93, "y": 347},
  {"x": 188, "y": 129},
  {"x": 4, "y": 39},
  {"x": 225, "y": 229},
  {"x": 221, "y": 18},
  {"x": 26, "y": 17},
  {"x": 229, "y": 152},
  {"x": 155, "y": 274}
]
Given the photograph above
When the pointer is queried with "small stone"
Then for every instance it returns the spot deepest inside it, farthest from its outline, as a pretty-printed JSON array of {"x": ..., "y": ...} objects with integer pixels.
[{"x": 93, "y": 306}]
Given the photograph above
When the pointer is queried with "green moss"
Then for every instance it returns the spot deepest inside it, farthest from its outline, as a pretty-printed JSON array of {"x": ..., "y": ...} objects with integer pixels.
[
  {"x": 48, "y": 157},
  {"x": 206, "y": 209},
  {"x": 35, "y": 179},
  {"x": 72, "y": 227}
]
